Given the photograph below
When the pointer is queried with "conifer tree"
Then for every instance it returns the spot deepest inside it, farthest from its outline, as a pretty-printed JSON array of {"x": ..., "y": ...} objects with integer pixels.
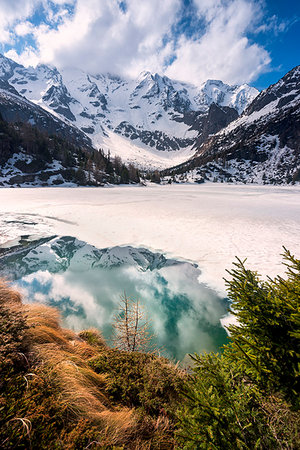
[
  {"x": 248, "y": 397},
  {"x": 266, "y": 339},
  {"x": 131, "y": 328}
]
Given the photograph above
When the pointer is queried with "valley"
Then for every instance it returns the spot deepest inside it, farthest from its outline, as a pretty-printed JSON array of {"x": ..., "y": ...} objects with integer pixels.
[{"x": 151, "y": 121}]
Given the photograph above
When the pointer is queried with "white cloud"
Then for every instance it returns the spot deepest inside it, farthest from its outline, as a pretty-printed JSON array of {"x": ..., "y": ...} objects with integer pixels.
[
  {"x": 104, "y": 38},
  {"x": 10, "y": 11},
  {"x": 224, "y": 50},
  {"x": 24, "y": 28},
  {"x": 28, "y": 57},
  {"x": 99, "y": 36}
]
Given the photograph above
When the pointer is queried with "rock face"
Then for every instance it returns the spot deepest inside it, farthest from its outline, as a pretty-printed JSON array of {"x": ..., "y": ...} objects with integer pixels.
[
  {"x": 262, "y": 145},
  {"x": 152, "y": 121},
  {"x": 217, "y": 118}
]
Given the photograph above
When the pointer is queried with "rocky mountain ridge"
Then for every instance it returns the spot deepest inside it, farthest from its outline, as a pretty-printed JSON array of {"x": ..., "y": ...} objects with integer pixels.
[
  {"x": 214, "y": 131},
  {"x": 153, "y": 120},
  {"x": 260, "y": 146}
]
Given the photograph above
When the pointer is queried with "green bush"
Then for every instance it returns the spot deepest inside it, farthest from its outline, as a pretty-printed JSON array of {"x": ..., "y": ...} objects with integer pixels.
[
  {"x": 249, "y": 397},
  {"x": 265, "y": 342},
  {"x": 224, "y": 410},
  {"x": 140, "y": 380}
]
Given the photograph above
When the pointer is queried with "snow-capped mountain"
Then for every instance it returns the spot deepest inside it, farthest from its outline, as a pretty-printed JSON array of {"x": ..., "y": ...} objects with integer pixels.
[
  {"x": 261, "y": 146},
  {"x": 152, "y": 121}
]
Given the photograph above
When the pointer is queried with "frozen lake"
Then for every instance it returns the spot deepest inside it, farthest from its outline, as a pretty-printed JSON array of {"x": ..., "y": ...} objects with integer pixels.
[
  {"x": 169, "y": 246},
  {"x": 208, "y": 224}
]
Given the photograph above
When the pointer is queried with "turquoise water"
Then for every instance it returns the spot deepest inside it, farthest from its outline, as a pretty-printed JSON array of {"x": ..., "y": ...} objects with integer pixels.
[{"x": 86, "y": 283}]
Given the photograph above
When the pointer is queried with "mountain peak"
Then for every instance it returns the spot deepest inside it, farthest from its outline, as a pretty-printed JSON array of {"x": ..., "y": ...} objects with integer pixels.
[
  {"x": 144, "y": 120},
  {"x": 214, "y": 82},
  {"x": 7, "y": 67}
]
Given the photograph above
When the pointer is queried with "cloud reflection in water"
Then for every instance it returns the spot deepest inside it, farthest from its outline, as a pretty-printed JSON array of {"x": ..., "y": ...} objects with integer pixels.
[{"x": 184, "y": 314}]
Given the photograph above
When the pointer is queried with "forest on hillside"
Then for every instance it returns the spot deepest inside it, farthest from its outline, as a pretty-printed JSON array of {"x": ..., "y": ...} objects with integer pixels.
[{"x": 40, "y": 156}]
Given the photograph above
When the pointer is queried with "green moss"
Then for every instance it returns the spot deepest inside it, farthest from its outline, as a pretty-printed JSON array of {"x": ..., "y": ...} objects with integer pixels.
[
  {"x": 140, "y": 380},
  {"x": 93, "y": 338}
]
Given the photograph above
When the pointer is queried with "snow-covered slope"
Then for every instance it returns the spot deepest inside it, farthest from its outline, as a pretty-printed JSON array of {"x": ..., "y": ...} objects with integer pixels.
[
  {"x": 146, "y": 121},
  {"x": 261, "y": 146},
  {"x": 38, "y": 149}
]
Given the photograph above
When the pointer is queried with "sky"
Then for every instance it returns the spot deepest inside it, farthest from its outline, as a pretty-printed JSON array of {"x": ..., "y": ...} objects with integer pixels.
[{"x": 236, "y": 41}]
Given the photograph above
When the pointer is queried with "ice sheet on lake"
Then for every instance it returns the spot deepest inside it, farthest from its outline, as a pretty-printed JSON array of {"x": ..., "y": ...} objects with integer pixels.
[
  {"x": 209, "y": 224},
  {"x": 15, "y": 225}
]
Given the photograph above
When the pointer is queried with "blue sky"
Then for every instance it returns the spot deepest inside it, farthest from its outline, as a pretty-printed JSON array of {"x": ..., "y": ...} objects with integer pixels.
[
  {"x": 253, "y": 41},
  {"x": 284, "y": 47}
]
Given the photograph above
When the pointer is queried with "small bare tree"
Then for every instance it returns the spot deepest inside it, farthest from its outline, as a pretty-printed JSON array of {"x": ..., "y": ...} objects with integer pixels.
[{"x": 131, "y": 327}]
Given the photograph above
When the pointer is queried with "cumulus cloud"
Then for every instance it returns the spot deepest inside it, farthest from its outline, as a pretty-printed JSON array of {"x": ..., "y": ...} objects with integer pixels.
[
  {"x": 106, "y": 38},
  {"x": 224, "y": 47},
  {"x": 10, "y": 12},
  {"x": 130, "y": 36}
]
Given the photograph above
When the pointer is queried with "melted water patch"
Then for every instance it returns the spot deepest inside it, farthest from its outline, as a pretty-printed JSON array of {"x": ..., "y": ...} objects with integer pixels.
[{"x": 85, "y": 284}]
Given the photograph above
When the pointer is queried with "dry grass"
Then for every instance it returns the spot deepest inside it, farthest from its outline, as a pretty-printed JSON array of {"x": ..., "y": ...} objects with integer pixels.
[
  {"x": 12, "y": 326},
  {"x": 44, "y": 325},
  {"x": 83, "y": 349},
  {"x": 62, "y": 358},
  {"x": 93, "y": 337},
  {"x": 9, "y": 297}
]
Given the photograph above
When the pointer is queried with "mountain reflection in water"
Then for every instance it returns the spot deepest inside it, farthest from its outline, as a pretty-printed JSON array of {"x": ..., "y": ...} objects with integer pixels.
[{"x": 85, "y": 284}]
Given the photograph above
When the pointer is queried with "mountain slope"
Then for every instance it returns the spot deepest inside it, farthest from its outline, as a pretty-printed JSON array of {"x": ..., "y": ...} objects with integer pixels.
[
  {"x": 262, "y": 145},
  {"x": 15, "y": 108},
  {"x": 151, "y": 120},
  {"x": 29, "y": 157}
]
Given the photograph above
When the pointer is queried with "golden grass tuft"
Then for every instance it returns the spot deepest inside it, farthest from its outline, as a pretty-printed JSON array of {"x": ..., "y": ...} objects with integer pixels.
[
  {"x": 9, "y": 296},
  {"x": 83, "y": 349},
  {"x": 61, "y": 359},
  {"x": 64, "y": 357},
  {"x": 41, "y": 315},
  {"x": 93, "y": 337},
  {"x": 44, "y": 325},
  {"x": 120, "y": 425},
  {"x": 77, "y": 383}
]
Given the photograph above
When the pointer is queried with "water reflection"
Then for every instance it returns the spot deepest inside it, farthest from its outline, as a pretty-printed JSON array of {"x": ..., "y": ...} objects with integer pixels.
[{"x": 85, "y": 283}]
